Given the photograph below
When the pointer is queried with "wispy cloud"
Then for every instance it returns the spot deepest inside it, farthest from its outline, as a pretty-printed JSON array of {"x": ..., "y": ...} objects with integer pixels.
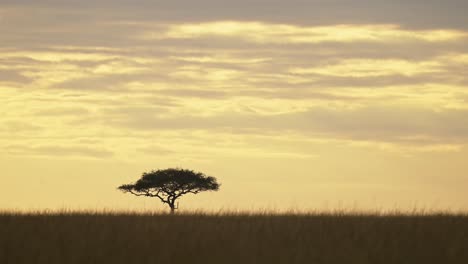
[
  {"x": 372, "y": 68},
  {"x": 284, "y": 33},
  {"x": 332, "y": 81}
]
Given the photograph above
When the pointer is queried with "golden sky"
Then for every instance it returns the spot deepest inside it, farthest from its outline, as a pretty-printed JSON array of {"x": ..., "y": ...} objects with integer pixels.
[{"x": 290, "y": 104}]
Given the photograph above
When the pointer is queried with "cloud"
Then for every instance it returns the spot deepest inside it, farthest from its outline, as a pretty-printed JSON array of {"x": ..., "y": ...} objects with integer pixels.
[
  {"x": 11, "y": 77},
  {"x": 135, "y": 71},
  {"x": 63, "y": 111},
  {"x": 47, "y": 56},
  {"x": 156, "y": 150},
  {"x": 372, "y": 68},
  {"x": 17, "y": 126},
  {"x": 58, "y": 151},
  {"x": 199, "y": 93},
  {"x": 220, "y": 59},
  {"x": 413, "y": 14},
  {"x": 398, "y": 125},
  {"x": 283, "y": 33}
]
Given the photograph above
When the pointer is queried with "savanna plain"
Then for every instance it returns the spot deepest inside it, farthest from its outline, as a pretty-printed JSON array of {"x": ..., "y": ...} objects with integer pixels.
[{"x": 233, "y": 237}]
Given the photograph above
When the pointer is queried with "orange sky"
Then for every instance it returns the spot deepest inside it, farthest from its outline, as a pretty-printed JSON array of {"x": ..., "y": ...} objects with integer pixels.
[{"x": 299, "y": 105}]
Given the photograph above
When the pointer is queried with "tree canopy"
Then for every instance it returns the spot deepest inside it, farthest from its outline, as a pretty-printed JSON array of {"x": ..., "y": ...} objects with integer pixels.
[{"x": 170, "y": 184}]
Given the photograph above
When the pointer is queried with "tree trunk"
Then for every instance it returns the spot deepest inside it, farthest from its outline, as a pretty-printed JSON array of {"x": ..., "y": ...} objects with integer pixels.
[
  {"x": 171, "y": 201},
  {"x": 172, "y": 206}
]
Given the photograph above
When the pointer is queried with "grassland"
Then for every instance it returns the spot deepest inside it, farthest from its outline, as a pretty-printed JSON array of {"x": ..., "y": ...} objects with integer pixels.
[{"x": 116, "y": 238}]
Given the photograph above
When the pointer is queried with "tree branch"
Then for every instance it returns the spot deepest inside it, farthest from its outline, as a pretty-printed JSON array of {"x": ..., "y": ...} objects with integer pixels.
[
  {"x": 161, "y": 198},
  {"x": 137, "y": 194}
]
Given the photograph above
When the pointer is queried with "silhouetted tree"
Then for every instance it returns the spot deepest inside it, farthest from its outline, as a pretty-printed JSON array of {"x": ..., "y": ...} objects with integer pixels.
[{"x": 170, "y": 184}]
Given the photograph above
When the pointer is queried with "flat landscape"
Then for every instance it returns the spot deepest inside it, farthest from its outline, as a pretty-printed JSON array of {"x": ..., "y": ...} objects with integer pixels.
[{"x": 87, "y": 237}]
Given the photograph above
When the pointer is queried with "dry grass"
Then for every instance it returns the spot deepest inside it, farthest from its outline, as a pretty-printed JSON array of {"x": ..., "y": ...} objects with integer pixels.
[{"x": 345, "y": 238}]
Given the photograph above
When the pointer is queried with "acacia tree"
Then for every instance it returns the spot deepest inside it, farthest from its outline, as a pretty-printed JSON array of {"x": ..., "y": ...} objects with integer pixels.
[{"x": 170, "y": 184}]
